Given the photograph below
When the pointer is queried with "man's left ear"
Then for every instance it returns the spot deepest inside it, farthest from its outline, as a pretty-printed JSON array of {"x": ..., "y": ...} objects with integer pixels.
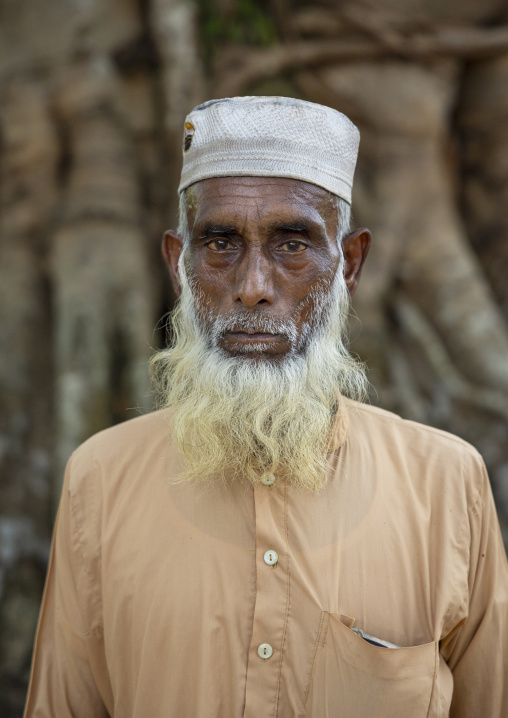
[
  {"x": 171, "y": 250},
  {"x": 355, "y": 248}
]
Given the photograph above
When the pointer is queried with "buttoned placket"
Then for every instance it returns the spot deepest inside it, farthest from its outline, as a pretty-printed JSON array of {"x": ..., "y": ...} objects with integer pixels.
[{"x": 271, "y": 609}]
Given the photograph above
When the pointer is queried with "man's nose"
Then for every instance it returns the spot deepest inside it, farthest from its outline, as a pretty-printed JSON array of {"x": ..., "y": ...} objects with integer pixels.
[{"x": 254, "y": 282}]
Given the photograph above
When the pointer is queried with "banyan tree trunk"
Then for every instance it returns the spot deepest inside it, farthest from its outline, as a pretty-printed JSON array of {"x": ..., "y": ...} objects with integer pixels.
[{"x": 99, "y": 269}]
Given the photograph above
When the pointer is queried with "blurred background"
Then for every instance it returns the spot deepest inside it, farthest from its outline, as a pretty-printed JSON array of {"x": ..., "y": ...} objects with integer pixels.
[{"x": 93, "y": 94}]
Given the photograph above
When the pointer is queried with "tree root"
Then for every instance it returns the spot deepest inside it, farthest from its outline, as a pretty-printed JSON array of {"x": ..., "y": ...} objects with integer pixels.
[
  {"x": 257, "y": 65},
  {"x": 416, "y": 326}
]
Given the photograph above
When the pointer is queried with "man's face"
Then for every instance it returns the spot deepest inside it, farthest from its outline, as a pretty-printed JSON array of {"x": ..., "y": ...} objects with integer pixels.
[
  {"x": 261, "y": 251},
  {"x": 259, "y": 358}
]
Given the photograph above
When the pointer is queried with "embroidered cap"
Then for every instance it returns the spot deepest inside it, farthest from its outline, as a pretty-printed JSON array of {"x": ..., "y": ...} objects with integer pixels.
[{"x": 270, "y": 137}]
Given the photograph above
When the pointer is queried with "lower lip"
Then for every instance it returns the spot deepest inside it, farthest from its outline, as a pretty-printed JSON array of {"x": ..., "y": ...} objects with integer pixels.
[{"x": 252, "y": 338}]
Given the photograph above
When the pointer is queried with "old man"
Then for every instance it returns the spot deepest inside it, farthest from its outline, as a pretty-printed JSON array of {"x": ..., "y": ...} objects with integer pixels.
[{"x": 266, "y": 544}]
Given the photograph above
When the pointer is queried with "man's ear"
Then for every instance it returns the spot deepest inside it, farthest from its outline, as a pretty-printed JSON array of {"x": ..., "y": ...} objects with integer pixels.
[
  {"x": 355, "y": 248},
  {"x": 171, "y": 250}
]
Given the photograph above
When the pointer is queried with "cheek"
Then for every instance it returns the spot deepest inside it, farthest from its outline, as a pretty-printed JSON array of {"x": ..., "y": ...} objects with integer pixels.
[
  {"x": 208, "y": 286},
  {"x": 310, "y": 308},
  {"x": 207, "y": 301}
]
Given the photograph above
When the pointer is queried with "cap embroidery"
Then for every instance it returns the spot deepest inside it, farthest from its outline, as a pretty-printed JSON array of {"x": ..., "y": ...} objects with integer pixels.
[{"x": 188, "y": 134}]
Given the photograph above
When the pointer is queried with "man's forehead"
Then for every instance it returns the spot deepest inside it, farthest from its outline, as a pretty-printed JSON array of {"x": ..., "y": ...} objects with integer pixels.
[{"x": 258, "y": 197}]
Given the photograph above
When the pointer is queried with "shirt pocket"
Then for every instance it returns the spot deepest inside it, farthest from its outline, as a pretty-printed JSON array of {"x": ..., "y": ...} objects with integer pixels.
[{"x": 351, "y": 678}]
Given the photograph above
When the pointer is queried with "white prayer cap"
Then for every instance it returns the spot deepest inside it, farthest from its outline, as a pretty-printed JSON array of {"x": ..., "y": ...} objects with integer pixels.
[{"x": 270, "y": 137}]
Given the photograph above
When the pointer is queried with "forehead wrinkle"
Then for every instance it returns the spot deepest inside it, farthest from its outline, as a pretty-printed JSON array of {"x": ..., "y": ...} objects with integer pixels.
[{"x": 303, "y": 201}]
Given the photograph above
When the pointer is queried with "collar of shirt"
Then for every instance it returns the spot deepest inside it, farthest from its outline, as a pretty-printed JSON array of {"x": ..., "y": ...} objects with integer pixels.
[{"x": 340, "y": 428}]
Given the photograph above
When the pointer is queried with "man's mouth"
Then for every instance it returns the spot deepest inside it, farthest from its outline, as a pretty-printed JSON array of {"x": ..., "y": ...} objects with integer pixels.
[{"x": 251, "y": 337}]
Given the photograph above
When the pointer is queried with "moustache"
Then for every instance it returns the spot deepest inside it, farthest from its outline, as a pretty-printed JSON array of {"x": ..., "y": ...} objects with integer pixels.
[{"x": 253, "y": 323}]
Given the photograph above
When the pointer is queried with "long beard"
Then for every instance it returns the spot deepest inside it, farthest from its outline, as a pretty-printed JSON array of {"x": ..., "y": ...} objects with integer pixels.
[{"x": 245, "y": 417}]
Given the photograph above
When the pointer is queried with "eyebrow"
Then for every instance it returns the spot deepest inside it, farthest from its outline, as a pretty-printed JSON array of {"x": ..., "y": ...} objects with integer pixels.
[
  {"x": 297, "y": 226},
  {"x": 212, "y": 230}
]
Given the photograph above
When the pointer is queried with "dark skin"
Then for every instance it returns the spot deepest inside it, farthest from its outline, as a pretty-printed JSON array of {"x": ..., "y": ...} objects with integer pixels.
[{"x": 263, "y": 244}]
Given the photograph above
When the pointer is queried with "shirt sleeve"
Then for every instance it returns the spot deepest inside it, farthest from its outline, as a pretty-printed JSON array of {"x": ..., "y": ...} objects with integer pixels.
[
  {"x": 477, "y": 652},
  {"x": 69, "y": 671}
]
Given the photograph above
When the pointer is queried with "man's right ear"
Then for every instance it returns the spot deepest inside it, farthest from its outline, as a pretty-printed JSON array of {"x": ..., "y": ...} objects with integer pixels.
[{"x": 171, "y": 250}]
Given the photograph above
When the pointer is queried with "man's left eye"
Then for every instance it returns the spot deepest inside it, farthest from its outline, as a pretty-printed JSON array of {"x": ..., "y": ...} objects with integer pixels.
[{"x": 293, "y": 247}]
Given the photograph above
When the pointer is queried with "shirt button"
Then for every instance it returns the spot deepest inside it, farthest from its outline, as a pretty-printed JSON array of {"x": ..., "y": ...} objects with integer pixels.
[
  {"x": 268, "y": 480},
  {"x": 265, "y": 651},
  {"x": 271, "y": 557}
]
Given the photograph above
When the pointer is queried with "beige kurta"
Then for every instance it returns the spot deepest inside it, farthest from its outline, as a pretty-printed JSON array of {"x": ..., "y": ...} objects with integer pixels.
[{"x": 161, "y": 598}]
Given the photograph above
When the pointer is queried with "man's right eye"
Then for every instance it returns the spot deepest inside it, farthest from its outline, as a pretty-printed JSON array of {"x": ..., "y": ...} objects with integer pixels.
[{"x": 220, "y": 245}]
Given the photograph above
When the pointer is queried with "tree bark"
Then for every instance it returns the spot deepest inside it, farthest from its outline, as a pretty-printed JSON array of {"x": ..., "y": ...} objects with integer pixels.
[{"x": 90, "y": 153}]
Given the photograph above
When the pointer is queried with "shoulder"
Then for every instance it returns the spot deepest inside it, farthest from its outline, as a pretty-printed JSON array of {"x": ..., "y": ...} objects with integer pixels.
[
  {"x": 380, "y": 421},
  {"x": 120, "y": 449},
  {"x": 125, "y": 437},
  {"x": 417, "y": 450}
]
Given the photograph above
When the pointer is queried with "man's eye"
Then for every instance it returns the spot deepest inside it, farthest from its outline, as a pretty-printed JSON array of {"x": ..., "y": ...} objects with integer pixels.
[
  {"x": 219, "y": 245},
  {"x": 293, "y": 247}
]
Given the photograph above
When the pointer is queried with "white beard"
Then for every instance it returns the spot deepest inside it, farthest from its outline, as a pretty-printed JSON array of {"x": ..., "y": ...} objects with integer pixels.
[{"x": 244, "y": 417}]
